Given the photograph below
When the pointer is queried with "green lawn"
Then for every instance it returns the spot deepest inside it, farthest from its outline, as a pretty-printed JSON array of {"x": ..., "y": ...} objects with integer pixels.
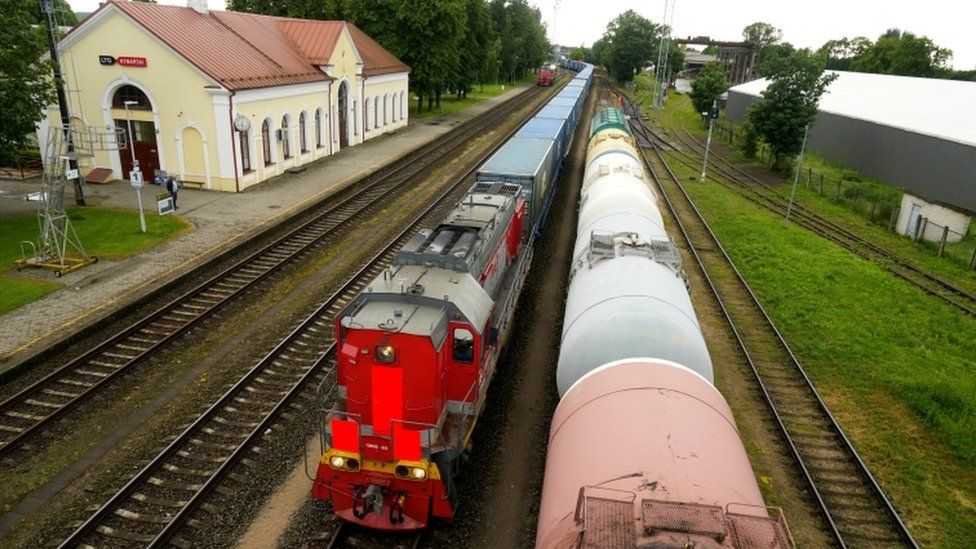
[
  {"x": 106, "y": 233},
  {"x": 451, "y": 105},
  {"x": 894, "y": 364}
]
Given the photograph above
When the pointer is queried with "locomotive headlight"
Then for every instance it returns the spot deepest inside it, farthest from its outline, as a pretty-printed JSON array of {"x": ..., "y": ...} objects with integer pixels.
[
  {"x": 344, "y": 463},
  {"x": 385, "y": 354},
  {"x": 411, "y": 471}
]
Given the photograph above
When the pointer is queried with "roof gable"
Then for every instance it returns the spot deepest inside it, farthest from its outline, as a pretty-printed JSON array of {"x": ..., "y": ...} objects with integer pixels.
[{"x": 315, "y": 39}]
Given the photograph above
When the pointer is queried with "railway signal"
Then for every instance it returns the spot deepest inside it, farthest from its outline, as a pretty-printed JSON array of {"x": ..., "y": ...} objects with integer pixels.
[{"x": 712, "y": 115}]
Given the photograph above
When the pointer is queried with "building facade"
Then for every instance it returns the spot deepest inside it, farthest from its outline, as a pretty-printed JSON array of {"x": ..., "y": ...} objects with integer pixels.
[
  {"x": 224, "y": 100},
  {"x": 913, "y": 133}
]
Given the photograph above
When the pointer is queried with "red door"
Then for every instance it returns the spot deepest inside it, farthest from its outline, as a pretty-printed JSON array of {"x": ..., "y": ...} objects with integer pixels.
[{"x": 144, "y": 145}]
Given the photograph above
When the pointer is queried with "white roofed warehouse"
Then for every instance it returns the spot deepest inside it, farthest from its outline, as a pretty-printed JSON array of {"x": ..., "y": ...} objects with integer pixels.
[
  {"x": 224, "y": 100},
  {"x": 915, "y": 133}
]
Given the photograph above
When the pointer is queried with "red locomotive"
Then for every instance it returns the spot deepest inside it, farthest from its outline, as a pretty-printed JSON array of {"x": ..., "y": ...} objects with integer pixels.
[
  {"x": 546, "y": 75},
  {"x": 416, "y": 351}
]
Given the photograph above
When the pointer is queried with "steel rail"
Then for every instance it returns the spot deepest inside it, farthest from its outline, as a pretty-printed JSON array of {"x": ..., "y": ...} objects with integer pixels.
[
  {"x": 35, "y": 407},
  {"x": 312, "y": 324},
  {"x": 901, "y": 530}
]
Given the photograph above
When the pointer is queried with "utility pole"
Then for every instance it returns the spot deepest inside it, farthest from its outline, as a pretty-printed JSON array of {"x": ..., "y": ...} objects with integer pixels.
[
  {"x": 796, "y": 176},
  {"x": 712, "y": 115},
  {"x": 47, "y": 8}
]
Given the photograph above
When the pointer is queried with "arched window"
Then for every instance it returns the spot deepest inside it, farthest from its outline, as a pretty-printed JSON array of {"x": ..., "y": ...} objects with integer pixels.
[
  {"x": 266, "y": 141},
  {"x": 386, "y": 100},
  {"x": 285, "y": 149},
  {"x": 302, "y": 138},
  {"x": 366, "y": 114},
  {"x": 245, "y": 151},
  {"x": 376, "y": 112},
  {"x": 133, "y": 95},
  {"x": 318, "y": 127}
]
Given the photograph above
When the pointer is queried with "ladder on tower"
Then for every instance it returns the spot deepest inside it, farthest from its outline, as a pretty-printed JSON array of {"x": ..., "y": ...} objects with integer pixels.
[{"x": 57, "y": 246}]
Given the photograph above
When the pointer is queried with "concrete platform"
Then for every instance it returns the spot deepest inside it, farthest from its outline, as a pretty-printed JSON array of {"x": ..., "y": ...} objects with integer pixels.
[{"x": 220, "y": 220}]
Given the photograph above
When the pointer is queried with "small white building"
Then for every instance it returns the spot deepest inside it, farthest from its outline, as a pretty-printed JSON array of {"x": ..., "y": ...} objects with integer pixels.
[
  {"x": 222, "y": 99},
  {"x": 924, "y": 220}
]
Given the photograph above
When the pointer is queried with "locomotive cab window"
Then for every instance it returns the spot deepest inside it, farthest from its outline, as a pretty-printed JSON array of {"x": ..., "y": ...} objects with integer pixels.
[{"x": 462, "y": 348}]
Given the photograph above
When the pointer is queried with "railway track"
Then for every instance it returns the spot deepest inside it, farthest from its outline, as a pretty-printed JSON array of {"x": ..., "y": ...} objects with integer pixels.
[
  {"x": 34, "y": 408},
  {"x": 161, "y": 498},
  {"x": 759, "y": 192},
  {"x": 852, "y": 502}
]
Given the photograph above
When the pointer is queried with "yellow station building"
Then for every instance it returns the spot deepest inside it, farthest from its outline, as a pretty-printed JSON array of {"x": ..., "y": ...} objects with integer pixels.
[{"x": 224, "y": 100}]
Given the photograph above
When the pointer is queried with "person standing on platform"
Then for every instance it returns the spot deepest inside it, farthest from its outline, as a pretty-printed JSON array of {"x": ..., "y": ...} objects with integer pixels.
[{"x": 173, "y": 186}]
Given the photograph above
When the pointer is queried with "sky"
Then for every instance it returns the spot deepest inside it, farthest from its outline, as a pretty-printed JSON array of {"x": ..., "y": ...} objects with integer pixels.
[{"x": 805, "y": 24}]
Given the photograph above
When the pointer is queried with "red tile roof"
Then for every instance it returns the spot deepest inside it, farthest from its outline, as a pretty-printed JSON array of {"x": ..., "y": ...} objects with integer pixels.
[{"x": 245, "y": 51}]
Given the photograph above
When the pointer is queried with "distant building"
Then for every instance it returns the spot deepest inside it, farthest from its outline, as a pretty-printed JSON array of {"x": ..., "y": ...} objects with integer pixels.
[
  {"x": 739, "y": 59},
  {"x": 915, "y": 133},
  {"x": 222, "y": 99}
]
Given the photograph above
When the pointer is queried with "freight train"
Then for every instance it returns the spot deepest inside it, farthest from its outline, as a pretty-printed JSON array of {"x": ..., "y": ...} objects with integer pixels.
[
  {"x": 417, "y": 349},
  {"x": 643, "y": 451}
]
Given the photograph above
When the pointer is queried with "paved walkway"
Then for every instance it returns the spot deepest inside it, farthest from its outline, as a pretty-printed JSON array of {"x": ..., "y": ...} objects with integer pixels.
[{"x": 220, "y": 221}]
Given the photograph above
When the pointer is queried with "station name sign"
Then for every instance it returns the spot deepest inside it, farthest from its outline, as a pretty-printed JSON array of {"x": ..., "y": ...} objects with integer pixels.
[{"x": 124, "y": 60}]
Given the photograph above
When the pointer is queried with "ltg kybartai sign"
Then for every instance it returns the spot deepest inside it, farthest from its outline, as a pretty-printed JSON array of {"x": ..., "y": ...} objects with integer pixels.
[{"x": 123, "y": 60}]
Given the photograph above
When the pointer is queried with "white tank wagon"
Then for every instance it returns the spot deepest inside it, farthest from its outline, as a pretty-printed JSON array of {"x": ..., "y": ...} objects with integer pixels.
[{"x": 627, "y": 296}]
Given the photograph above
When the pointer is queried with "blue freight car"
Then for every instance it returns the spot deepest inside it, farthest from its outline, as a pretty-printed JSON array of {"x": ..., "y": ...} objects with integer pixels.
[
  {"x": 528, "y": 162},
  {"x": 553, "y": 129},
  {"x": 561, "y": 113},
  {"x": 574, "y": 104}
]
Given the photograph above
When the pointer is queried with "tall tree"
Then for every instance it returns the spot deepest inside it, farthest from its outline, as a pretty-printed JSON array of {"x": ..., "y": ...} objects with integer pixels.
[
  {"x": 599, "y": 50},
  {"x": 632, "y": 44},
  {"x": 775, "y": 57},
  {"x": 789, "y": 104},
  {"x": 26, "y": 88},
  {"x": 478, "y": 34},
  {"x": 706, "y": 88},
  {"x": 762, "y": 34},
  {"x": 841, "y": 53},
  {"x": 903, "y": 53}
]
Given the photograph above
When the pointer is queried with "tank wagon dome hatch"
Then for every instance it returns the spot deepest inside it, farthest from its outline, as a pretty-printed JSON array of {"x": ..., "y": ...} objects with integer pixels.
[{"x": 607, "y": 119}]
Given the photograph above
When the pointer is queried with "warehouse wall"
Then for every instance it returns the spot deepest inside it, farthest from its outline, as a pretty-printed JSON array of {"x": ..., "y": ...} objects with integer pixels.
[{"x": 935, "y": 169}]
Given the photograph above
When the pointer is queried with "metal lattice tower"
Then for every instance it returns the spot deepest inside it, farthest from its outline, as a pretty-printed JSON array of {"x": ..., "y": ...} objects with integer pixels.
[
  {"x": 663, "y": 51},
  {"x": 58, "y": 246}
]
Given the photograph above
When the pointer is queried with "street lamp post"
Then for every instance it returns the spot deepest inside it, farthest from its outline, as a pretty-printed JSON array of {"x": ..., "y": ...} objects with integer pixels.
[
  {"x": 135, "y": 176},
  {"x": 796, "y": 176}
]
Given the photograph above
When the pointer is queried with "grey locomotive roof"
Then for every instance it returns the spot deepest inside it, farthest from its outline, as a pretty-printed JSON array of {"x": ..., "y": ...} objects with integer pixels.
[
  {"x": 473, "y": 227},
  {"x": 520, "y": 156},
  {"x": 427, "y": 293}
]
